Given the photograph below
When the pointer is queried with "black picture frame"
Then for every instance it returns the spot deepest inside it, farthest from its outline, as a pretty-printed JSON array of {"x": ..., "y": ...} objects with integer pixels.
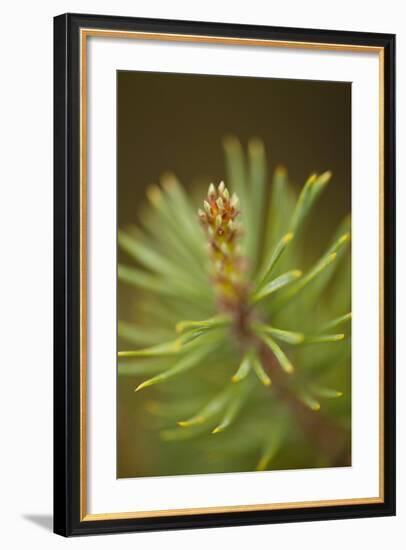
[{"x": 67, "y": 381}]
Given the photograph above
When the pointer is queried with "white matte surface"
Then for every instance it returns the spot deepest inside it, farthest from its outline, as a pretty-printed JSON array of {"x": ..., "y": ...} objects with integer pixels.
[{"x": 105, "y": 492}]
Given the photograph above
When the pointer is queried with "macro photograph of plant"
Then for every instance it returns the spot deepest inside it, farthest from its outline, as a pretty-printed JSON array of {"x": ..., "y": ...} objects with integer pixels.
[{"x": 233, "y": 275}]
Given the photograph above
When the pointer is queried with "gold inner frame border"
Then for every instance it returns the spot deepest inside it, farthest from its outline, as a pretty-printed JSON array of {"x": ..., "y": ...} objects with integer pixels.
[{"x": 84, "y": 35}]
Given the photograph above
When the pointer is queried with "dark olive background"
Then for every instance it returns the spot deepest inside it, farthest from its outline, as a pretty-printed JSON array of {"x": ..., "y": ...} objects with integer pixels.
[{"x": 176, "y": 122}]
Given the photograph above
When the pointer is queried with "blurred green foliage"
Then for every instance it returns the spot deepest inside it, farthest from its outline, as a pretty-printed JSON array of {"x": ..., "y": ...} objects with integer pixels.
[{"x": 272, "y": 391}]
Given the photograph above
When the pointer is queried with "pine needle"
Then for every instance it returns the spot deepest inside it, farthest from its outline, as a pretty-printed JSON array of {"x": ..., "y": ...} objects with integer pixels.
[
  {"x": 260, "y": 372},
  {"x": 276, "y": 254},
  {"x": 189, "y": 361},
  {"x": 336, "y": 322},
  {"x": 212, "y": 408},
  {"x": 284, "y": 362},
  {"x": 234, "y": 407},
  {"x": 243, "y": 370},
  {"x": 323, "y": 339},
  {"x": 283, "y": 335},
  {"x": 307, "y": 198},
  {"x": 308, "y": 400},
  {"x": 326, "y": 393},
  {"x": 276, "y": 284},
  {"x": 207, "y": 324}
]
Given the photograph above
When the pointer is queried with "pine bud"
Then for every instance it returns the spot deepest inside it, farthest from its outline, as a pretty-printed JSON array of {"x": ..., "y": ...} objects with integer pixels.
[
  {"x": 228, "y": 263},
  {"x": 212, "y": 192}
]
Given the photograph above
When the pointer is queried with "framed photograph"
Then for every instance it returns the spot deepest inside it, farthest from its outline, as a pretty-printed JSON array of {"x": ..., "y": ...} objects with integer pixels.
[{"x": 224, "y": 274}]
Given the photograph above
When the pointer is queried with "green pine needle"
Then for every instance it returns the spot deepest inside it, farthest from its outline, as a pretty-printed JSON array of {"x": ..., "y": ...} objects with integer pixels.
[{"x": 276, "y": 284}]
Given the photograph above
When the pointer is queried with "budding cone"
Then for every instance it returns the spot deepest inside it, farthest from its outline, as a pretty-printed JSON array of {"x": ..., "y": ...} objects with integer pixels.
[{"x": 227, "y": 262}]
